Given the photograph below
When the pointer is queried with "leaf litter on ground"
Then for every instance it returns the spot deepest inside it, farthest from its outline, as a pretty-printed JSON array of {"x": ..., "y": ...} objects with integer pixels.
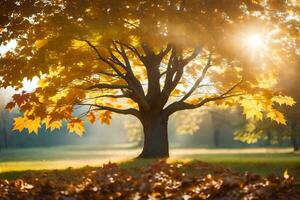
[{"x": 158, "y": 180}]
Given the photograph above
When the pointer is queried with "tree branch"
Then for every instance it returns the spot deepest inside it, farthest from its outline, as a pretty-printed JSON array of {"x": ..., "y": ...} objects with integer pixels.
[
  {"x": 177, "y": 65},
  {"x": 191, "y": 57},
  {"x": 163, "y": 53},
  {"x": 107, "y": 86},
  {"x": 139, "y": 96},
  {"x": 180, "y": 105},
  {"x": 132, "y": 49},
  {"x": 109, "y": 96},
  {"x": 103, "y": 59},
  {"x": 199, "y": 80},
  {"x": 130, "y": 111}
]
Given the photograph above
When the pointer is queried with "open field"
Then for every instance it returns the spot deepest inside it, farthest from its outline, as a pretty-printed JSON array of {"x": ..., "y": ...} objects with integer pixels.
[{"x": 16, "y": 162}]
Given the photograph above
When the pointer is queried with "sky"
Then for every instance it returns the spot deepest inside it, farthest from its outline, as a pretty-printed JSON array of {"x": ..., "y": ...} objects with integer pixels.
[{"x": 10, "y": 46}]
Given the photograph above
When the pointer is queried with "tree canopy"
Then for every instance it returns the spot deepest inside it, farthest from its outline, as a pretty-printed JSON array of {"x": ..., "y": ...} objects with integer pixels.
[{"x": 138, "y": 57}]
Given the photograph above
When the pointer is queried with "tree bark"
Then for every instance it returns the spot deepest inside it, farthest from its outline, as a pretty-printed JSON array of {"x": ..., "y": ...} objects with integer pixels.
[{"x": 156, "y": 143}]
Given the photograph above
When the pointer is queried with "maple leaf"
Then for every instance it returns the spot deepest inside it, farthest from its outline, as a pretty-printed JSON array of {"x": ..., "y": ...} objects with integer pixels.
[
  {"x": 20, "y": 123},
  {"x": 91, "y": 117},
  {"x": 168, "y": 181},
  {"x": 277, "y": 116},
  {"x": 76, "y": 125},
  {"x": 19, "y": 99},
  {"x": 50, "y": 124},
  {"x": 145, "y": 64},
  {"x": 10, "y": 106},
  {"x": 281, "y": 100},
  {"x": 33, "y": 125},
  {"x": 105, "y": 117},
  {"x": 252, "y": 109}
]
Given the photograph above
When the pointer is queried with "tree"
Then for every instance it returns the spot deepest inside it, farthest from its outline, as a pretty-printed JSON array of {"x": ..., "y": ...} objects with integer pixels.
[
  {"x": 266, "y": 129},
  {"x": 290, "y": 81},
  {"x": 3, "y": 121},
  {"x": 148, "y": 59}
]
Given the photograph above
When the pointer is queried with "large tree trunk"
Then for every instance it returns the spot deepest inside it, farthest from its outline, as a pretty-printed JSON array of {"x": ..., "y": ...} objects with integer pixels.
[{"x": 156, "y": 143}]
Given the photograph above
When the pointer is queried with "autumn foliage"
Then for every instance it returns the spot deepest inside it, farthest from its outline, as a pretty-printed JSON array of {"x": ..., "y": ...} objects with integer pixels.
[
  {"x": 159, "y": 180},
  {"x": 146, "y": 59}
]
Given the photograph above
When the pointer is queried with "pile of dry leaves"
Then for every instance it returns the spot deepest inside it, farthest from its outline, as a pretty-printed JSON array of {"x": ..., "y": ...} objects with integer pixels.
[{"x": 159, "y": 180}]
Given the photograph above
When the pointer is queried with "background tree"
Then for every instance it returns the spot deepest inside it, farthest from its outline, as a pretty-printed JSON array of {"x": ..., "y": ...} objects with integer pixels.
[
  {"x": 148, "y": 59},
  {"x": 4, "y": 121},
  {"x": 290, "y": 81},
  {"x": 272, "y": 132}
]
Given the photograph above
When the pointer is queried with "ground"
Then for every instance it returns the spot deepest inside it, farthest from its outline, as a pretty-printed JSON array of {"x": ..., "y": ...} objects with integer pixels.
[
  {"x": 15, "y": 163},
  {"x": 90, "y": 172}
]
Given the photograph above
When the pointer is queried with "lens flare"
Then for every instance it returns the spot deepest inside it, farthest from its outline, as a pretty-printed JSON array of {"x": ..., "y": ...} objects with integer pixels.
[{"x": 254, "y": 42}]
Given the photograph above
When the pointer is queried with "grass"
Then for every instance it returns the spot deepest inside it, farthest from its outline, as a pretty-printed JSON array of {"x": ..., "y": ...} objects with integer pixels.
[
  {"x": 16, "y": 163},
  {"x": 262, "y": 164}
]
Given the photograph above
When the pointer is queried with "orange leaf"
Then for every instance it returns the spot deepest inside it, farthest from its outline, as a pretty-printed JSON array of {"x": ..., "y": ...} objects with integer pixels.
[
  {"x": 10, "y": 106},
  {"x": 105, "y": 117},
  {"x": 91, "y": 117},
  {"x": 20, "y": 98}
]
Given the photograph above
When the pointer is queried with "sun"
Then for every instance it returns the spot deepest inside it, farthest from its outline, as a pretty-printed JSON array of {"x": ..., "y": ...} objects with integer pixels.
[{"x": 254, "y": 42}]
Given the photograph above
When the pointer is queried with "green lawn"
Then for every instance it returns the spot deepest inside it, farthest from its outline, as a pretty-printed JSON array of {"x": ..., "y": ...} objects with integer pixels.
[{"x": 16, "y": 162}]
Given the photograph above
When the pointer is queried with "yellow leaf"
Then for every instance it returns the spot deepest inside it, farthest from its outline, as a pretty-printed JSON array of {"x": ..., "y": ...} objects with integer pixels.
[
  {"x": 19, "y": 124},
  {"x": 76, "y": 126},
  {"x": 250, "y": 127},
  {"x": 287, "y": 100},
  {"x": 50, "y": 124},
  {"x": 267, "y": 81},
  {"x": 42, "y": 83},
  {"x": 32, "y": 125},
  {"x": 252, "y": 109},
  {"x": 277, "y": 116},
  {"x": 77, "y": 44}
]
